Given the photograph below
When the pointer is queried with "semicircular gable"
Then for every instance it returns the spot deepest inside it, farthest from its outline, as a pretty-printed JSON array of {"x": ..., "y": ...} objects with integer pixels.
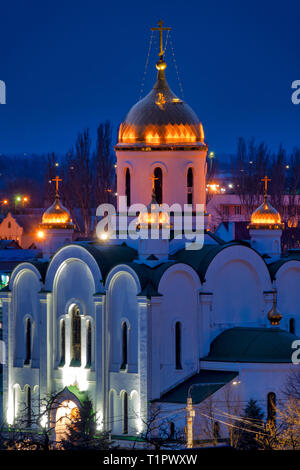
[{"x": 73, "y": 252}]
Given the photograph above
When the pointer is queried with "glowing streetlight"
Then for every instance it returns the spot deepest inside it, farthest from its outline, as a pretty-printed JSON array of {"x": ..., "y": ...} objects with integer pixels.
[{"x": 41, "y": 234}]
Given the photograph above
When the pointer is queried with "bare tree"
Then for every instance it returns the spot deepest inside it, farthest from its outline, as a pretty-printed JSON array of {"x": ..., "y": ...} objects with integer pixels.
[
  {"x": 103, "y": 162},
  {"x": 160, "y": 432}
]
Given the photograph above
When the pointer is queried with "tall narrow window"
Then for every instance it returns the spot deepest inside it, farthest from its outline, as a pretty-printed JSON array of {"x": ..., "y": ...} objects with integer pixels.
[
  {"x": 190, "y": 186},
  {"x": 127, "y": 187},
  {"x": 124, "y": 345},
  {"x": 62, "y": 342},
  {"x": 292, "y": 325},
  {"x": 27, "y": 341},
  {"x": 28, "y": 407},
  {"x": 76, "y": 337},
  {"x": 272, "y": 407},
  {"x": 88, "y": 343},
  {"x": 158, "y": 185},
  {"x": 125, "y": 413},
  {"x": 178, "y": 345}
]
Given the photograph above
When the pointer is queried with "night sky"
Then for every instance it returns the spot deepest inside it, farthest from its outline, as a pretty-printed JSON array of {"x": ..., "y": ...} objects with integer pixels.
[{"x": 68, "y": 65}]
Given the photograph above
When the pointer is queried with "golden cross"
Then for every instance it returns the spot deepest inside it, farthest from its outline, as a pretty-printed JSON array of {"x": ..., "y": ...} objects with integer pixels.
[
  {"x": 266, "y": 179},
  {"x": 56, "y": 179},
  {"x": 161, "y": 29}
]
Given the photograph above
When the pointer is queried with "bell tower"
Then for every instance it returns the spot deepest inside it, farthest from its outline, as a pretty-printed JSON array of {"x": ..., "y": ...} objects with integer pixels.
[{"x": 161, "y": 136}]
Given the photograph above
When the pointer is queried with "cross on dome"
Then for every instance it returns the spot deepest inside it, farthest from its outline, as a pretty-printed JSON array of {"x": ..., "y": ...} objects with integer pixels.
[
  {"x": 266, "y": 180},
  {"x": 161, "y": 29},
  {"x": 57, "y": 181}
]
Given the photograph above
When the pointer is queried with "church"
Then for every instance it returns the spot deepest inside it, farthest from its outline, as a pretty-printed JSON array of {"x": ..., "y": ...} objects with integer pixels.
[{"x": 148, "y": 325}]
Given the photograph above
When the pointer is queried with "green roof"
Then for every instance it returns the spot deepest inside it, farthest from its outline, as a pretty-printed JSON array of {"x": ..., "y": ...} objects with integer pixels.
[
  {"x": 263, "y": 345},
  {"x": 81, "y": 396},
  {"x": 200, "y": 386}
]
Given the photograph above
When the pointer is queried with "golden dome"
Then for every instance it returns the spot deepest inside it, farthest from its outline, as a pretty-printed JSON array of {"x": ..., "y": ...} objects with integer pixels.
[
  {"x": 161, "y": 118},
  {"x": 57, "y": 214},
  {"x": 265, "y": 216}
]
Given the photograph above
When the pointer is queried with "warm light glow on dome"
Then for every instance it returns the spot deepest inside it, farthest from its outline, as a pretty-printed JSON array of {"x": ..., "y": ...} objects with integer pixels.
[
  {"x": 56, "y": 214},
  {"x": 266, "y": 215},
  {"x": 161, "y": 118}
]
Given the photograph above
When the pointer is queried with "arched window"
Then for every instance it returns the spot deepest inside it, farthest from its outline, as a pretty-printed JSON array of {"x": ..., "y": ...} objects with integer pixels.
[
  {"x": 190, "y": 186},
  {"x": 62, "y": 342},
  {"x": 88, "y": 343},
  {"x": 292, "y": 325},
  {"x": 272, "y": 407},
  {"x": 76, "y": 337},
  {"x": 124, "y": 345},
  {"x": 27, "y": 341},
  {"x": 28, "y": 407},
  {"x": 158, "y": 185},
  {"x": 178, "y": 345},
  {"x": 127, "y": 187},
  {"x": 125, "y": 413}
]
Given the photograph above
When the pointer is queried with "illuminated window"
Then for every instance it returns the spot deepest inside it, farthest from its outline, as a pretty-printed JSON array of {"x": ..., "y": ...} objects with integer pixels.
[
  {"x": 27, "y": 341},
  {"x": 190, "y": 184},
  {"x": 62, "y": 342},
  {"x": 76, "y": 337},
  {"x": 88, "y": 343},
  {"x": 125, "y": 413},
  {"x": 124, "y": 345},
  {"x": 272, "y": 407},
  {"x": 158, "y": 185},
  {"x": 127, "y": 187},
  {"x": 178, "y": 345}
]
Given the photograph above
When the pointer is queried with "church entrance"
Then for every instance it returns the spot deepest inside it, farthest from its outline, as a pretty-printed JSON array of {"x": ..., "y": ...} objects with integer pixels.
[{"x": 66, "y": 413}]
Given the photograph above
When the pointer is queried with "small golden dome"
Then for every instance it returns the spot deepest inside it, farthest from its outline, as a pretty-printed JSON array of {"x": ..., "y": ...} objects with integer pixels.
[
  {"x": 57, "y": 214},
  {"x": 154, "y": 215},
  {"x": 266, "y": 215}
]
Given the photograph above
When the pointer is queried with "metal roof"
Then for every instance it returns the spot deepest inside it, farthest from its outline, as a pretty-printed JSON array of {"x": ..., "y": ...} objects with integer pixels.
[
  {"x": 259, "y": 345},
  {"x": 200, "y": 386}
]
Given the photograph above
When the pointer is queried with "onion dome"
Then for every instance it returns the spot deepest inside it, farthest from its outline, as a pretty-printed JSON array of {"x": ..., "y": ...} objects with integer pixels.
[
  {"x": 161, "y": 118},
  {"x": 265, "y": 214},
  {"x": 56, "y": 214},
  {"x": 274, "y": 315}
]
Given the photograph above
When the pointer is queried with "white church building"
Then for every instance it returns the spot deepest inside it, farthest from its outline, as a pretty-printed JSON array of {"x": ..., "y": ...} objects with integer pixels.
[{"x": 139, "y": 326}]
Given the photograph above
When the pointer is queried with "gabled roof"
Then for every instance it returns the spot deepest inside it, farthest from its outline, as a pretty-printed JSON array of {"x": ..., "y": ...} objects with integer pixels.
[
  {"x": 200, "y": 386},
  {"x": 259, "y": 345}
]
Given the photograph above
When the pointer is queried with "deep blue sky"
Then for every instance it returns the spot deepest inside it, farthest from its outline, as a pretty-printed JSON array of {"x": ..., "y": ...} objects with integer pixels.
[{"x": 71, "y": 64}]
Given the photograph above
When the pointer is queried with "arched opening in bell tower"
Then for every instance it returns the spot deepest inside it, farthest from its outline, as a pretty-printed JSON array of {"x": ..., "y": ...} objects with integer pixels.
[{"x": 158, "y": 185}]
